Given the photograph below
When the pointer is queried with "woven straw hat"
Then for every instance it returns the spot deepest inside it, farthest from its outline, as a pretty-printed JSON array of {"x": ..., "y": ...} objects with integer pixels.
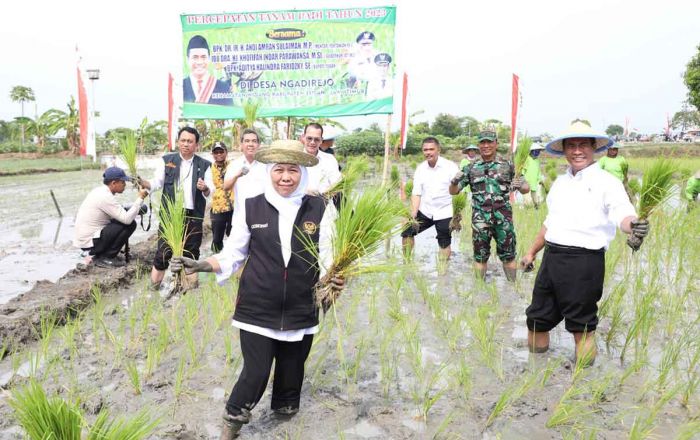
[
  {"x": 579, "y": 129},
  {"x": 286, "y": 151}
]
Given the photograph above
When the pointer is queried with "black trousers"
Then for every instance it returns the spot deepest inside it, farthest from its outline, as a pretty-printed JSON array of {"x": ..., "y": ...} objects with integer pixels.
[
  {"x": 220, "y": 227},
  {"x": 568, "y": 287},
  {"x": 258, "y": 354},
  {"x": 112, "y": 238},
  {"x": 193, "y": 240}
]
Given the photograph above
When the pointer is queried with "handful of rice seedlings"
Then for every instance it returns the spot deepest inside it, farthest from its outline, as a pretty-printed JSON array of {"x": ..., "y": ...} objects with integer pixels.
[
  {"x": 364, "y": 222},
  {"x": 521, "y": 155},
  {"x": 657, "y": 183},
  {"x": 353, "y": 171},
  {"x": 408, "y": 188},
  {"x": 172, "y": 228},
  {"x": 128, "y": 154},
  {"x": 459, "y": 202}
]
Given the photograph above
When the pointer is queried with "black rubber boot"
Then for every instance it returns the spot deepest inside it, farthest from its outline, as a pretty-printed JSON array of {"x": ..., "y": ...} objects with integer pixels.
[{"x": 233, "y": 424}]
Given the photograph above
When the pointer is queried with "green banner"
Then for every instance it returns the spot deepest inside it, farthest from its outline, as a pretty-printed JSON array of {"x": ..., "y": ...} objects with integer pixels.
[{"x": 321, "y": 63}]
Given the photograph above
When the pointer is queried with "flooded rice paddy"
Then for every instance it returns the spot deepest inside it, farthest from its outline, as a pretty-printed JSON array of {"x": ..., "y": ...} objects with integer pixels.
[{"x": 423, "y": 351}]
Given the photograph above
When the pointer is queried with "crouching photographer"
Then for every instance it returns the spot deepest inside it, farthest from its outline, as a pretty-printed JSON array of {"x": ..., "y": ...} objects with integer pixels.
[{"x": 102, "y": 225}]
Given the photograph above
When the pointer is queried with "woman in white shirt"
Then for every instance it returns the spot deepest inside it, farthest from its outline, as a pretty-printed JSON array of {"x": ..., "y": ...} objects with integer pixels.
[{"x": 276, "y": 310}]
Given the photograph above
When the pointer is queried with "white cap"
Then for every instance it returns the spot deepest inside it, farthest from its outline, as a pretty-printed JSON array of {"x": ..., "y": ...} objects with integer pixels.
[{"x": 535, "y": 146}]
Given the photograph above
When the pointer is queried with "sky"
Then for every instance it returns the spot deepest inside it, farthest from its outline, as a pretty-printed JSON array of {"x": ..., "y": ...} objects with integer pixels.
[{"x": 601, "y": 60}]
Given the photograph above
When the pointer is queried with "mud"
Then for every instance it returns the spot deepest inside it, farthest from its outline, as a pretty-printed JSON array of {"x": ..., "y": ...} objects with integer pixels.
[{"x": 20, "y": 317}]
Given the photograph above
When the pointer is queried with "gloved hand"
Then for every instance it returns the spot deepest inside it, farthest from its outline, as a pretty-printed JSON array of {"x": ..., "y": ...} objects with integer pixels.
[
  {"x": 455, "y": 180},
  {"x": 640, "y": 228},
  {"x": 189, "y": 265},
  {"x": 517, "y": 183}
]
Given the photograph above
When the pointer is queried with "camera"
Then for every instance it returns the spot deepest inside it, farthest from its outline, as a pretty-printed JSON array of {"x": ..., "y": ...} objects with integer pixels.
[{"x": 142, "y": 211}]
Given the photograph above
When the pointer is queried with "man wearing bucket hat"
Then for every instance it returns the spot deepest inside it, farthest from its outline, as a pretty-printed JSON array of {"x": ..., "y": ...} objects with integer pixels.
[
  {"x": 222, "y": 200},
  {"x": 276, "y": 309},
  {"x": 491, "y": 178},
  {"x": 586, "y": 205},
  {"x": 470, "y": 153},
  {"x": 533, "y": 175},
  {"x": 614, "y": 163},
  {"x": 102, "y": 225}
]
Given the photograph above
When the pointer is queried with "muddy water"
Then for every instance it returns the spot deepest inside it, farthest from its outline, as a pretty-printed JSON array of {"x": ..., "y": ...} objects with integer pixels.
[{"x": 35, "y": 243}]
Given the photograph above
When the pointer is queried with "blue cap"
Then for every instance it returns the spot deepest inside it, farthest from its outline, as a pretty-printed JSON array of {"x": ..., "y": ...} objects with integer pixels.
[{"x": 115, "y": 173}]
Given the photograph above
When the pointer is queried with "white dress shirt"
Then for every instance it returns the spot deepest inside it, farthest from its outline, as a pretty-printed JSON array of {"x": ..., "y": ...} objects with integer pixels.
[
  {"x": 249, "y": 185},
  {"x": 186, "y": 173},
  {"x": 97, "y": 211},
  {"x": 432, "y": 184},
  {"x": 585, "y": 209},
  {"x": 324, "y": 175}
]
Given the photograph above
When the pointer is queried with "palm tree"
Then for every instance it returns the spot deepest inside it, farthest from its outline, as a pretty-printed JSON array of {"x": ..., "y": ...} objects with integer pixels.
[
  {"x": 70, "y": 122},
  {"x": 46, "y": 125},
  {"x": 22, "y": 94}
]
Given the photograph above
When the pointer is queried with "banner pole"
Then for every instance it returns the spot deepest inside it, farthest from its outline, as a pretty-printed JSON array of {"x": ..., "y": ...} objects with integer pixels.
[{"x": 387, "y": 141}]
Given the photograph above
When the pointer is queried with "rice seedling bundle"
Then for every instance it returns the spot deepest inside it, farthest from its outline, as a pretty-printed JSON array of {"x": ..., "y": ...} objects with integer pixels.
[
  {"x": 172, "y": 228},
  {"x": 124, "y": 428},
  {"x": 521, "y": 155},
  {"x": 43, "y": 418},
  {"x": 353, "y": 171},
  {"x": 127, "y": 146},
  {"x": 394, "y": 177},
  {"x": 634, "y": 186},
  {"x": 408, "y": 188},
  {"x": 459, "y": 202},
  {"x": 657, "y": 183},
  {"x": 364, "y": 222}
]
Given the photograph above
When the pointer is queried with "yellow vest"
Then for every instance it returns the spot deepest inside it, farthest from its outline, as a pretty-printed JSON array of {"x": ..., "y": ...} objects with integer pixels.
[{"x": 223, "y": 200}]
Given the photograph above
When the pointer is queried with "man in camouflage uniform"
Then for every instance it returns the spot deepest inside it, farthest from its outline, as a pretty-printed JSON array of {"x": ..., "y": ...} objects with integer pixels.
[{"x": 491, "y": 178}]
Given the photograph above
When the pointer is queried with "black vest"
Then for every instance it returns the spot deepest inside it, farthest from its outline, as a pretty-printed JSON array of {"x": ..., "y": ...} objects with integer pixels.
[
  {"x": 271, "y": 295},
  {"x": 172, "y": 178}
]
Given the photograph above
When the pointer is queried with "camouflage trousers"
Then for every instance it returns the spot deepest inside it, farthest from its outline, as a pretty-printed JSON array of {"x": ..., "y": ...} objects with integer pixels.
[{"x": 497, "y": 225}]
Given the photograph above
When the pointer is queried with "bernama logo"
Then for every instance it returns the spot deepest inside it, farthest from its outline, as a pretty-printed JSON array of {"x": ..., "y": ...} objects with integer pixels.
[{"x": 285, "y": 34}]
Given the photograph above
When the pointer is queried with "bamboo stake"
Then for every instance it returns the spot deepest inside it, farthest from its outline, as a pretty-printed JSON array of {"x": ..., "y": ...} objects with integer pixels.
[{"x": 387, "y": 141}]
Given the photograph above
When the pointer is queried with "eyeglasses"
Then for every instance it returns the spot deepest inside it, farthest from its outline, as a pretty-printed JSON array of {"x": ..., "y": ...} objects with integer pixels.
[{"x": 313, "y": 139}]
